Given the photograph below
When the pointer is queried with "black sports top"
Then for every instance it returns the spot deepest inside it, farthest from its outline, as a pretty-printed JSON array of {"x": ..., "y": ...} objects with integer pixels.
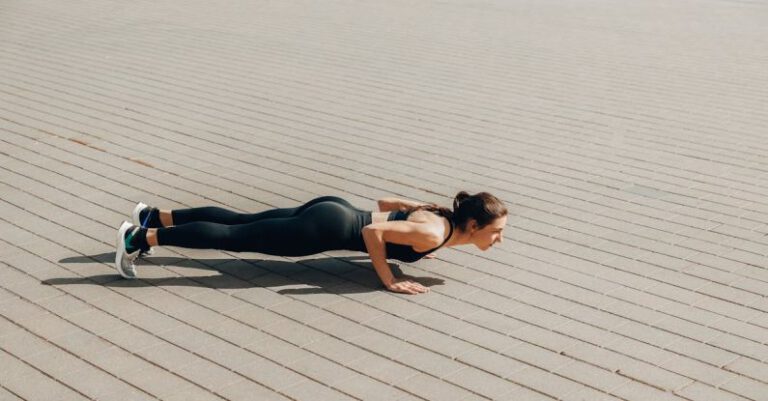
[{"x": 406, "y": 252}]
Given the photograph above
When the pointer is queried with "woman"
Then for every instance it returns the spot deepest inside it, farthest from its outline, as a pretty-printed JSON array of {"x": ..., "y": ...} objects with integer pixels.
[{"x": 403, "y": 230}]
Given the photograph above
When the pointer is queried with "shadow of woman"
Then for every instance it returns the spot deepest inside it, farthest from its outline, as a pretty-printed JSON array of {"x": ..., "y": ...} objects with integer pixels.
[{"x": 317, "y": 273}]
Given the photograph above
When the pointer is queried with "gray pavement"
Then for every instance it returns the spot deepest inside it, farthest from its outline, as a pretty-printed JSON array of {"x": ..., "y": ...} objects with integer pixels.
[{"x": 628, "y": 139}]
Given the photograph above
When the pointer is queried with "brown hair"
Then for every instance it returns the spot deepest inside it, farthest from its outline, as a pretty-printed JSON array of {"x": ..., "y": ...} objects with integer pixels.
[{"x": 482, "y": 206}]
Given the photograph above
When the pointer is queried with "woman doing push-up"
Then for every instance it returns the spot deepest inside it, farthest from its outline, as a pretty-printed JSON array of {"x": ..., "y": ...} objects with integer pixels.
[{"x": 403, "y": 230}]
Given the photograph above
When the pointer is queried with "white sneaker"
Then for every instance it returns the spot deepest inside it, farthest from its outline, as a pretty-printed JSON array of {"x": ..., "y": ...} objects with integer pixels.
[
  {"x": 136, "y": 210},
  {"x": 137, "y": 222},
  {"x": 123, "y": 259}
]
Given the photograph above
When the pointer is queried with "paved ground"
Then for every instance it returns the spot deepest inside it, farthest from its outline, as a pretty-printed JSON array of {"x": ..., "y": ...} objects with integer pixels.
[{"x": 628, "y": 138}]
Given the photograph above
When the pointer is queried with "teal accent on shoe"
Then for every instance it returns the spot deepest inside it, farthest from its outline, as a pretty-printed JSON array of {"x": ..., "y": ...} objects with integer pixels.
[{"x": 128, "y": 247}]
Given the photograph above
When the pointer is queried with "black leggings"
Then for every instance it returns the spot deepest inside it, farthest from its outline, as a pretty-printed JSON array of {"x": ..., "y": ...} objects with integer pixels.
[{"x": 322, "y": 224}]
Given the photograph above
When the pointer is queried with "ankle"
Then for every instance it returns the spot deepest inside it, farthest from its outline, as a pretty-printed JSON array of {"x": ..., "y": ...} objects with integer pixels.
[
  {"x": 166, "y": 218},
  {"x": 150, "y": 218},
  {"x": 136, "y": 239},
  {"x": 152, "y": 237}
]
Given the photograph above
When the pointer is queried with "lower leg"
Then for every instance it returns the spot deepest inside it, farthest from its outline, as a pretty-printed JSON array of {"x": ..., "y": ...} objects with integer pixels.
[
  {"x": 201, "y": 235},
  {"x": 213, "y": 214},
  {"x": 166, "y": 218},
  {"x": 152, "y": 236}
]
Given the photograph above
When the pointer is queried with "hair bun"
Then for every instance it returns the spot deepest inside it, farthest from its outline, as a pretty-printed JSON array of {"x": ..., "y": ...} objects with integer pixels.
[{"x": 460, "y": 197}]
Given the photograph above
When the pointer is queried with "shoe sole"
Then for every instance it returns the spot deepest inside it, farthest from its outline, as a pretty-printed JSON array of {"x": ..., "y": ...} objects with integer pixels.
[{"x": 120, "y": 251}]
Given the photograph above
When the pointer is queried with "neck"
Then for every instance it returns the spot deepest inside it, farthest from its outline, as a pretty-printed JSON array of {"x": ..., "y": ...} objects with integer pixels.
[{"x": 459, "y": 238}]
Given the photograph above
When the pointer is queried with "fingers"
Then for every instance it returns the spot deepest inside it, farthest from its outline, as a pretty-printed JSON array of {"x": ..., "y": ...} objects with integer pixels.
[
  {"x": 418, "y": 287},
  {"x": 414, "y": 287},
  {"x": 408, "y": 287}
]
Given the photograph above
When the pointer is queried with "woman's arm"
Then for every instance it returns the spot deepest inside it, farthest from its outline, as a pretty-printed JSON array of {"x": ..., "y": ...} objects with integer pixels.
[
  {"x": 401, "y": 232},
  {"x": 390, "y": 204}
]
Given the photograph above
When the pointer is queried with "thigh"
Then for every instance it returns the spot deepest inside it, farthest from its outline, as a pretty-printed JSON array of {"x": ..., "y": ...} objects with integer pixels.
[
  {"x": 268, "y": 214},
  {"x": 319, "y": 227},
  {"x": 291, "y": 211},
  {"x": 333, "y": 199}
]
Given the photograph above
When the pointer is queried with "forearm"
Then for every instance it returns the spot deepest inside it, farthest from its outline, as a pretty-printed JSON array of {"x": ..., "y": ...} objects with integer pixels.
[{"x": 374, "y": 243}]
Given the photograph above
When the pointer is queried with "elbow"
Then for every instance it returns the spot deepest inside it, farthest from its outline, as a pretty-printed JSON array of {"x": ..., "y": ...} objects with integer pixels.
[
  {"x": 387, "y": 204},
  {"x": 371, "y": 235},
  {"x": 368, "y": 232}
]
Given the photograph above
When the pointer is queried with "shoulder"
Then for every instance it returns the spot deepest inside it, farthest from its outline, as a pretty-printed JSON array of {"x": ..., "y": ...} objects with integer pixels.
[
  {"x": 408, "y": 232},
  {"x": 389, "y": 204},
  {"x": 432, "y": 225}
]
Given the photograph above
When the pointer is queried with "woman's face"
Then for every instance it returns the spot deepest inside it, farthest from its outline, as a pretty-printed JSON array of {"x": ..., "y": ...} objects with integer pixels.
[{"x": 488, "y": 235}]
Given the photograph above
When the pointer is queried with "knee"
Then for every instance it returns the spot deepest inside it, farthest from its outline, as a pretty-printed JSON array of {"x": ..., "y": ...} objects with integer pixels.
[{"x": 226, "y": 238}]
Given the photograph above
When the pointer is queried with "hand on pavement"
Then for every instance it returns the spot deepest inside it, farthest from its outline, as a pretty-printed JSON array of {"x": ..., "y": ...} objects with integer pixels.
[{"x": 406, "y": 286}]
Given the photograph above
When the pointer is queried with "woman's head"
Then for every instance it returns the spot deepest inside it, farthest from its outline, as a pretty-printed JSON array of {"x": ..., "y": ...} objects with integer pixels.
[{"x": 482, "y": 216}]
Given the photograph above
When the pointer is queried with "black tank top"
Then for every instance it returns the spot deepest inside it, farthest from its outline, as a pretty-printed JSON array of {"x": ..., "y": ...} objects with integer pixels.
[{"x": 406, "y": 252}]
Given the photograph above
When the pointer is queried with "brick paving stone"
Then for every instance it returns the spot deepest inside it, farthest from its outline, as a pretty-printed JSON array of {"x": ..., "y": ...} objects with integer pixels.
[
  {"x": 6, "y": 395},
  {"x": 157, "y": 381},
  {"x": 280, "y": 351},
  {"x": 382, "y": 368},
  {"x": 699, "y": 391},
  {"x": 485, "y": 384},
  {"x": 601, "y": 379},
  {"x": 697, "y": 370},
  {"x": 341, "y": 328},
  {"x": 271, "y": 374},
  {"x": 638, "y": 391},
  {"x": 591, "y": 394},
  {"x": 487, "y": 338},
  {"x": 168, "y": 356},
  {"x": 30, "y": 384},
  {"x": 55, "y": 362},
  {"x": 20, "y": 340},
  {"x": 309, "y": 390},
  {"x": 226, "y": 354},
  {"x": 745, "y": 387},
  {"x": 536, "y": 355},
  {"x": 206, "y": 374},
  {"x": 364, "y": 388},
  {"x": 662, "y": 377},
  {"x": 246, "y": 390},
  {"x": 431, "y": 388},
  {"x": 523, "y": 393},
  {"x": 297, "y": 333},
  {"x": 336, "y": 350},
  {"x": 117, "y": 361},
  {"x": 544, "y": 382},
  {"x": 97, "y": 384},
  {"x": 748, "y": 367},
  {"x": 355, "y": 311}
]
